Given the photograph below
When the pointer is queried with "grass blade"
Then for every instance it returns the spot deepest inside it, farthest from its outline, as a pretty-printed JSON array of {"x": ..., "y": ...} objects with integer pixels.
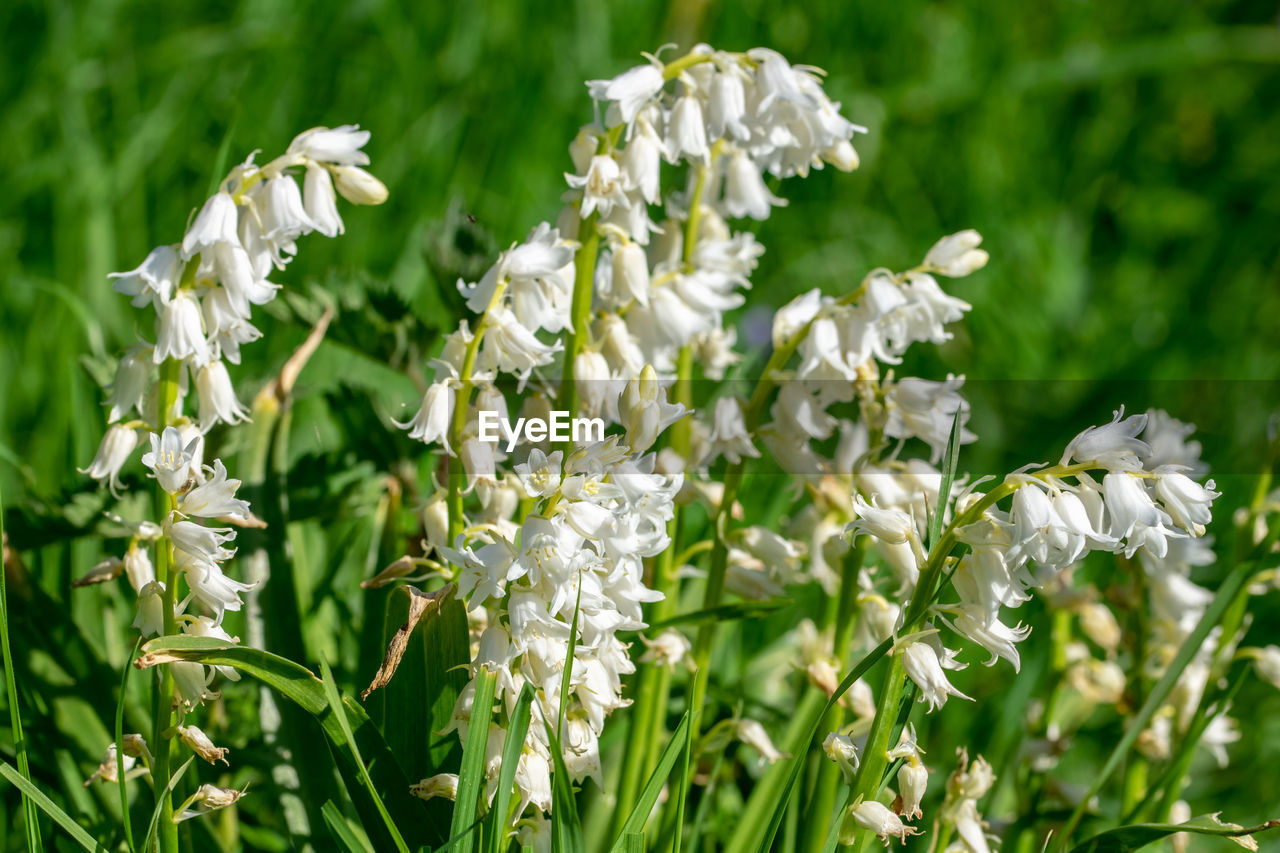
[
  {"x": 30, "y": 821},
  {"x": 342, "y": 831},
  {"x": 567, "y": 678},
  {"x": 1233, "y": 584},
  {"x": 949, "y": 461},
  {"x": 516, "y": 731},
  {"x": 154, "y": 823},
  {"x": 566, "y": 828},
  {"x": 339, "y": 711},
  {"x": 679, "y": 743},
  {"x": 471, "y": 774},
  {"x": 1127, "y": 838},
  {"x": 423, "y": 823},
  {"x": 119, "y": 731},
  {"x": 39, "y": 799}
]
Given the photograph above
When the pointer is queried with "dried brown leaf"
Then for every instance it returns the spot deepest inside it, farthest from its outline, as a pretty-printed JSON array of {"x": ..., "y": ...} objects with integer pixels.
[{"x": 421, "y": 606}]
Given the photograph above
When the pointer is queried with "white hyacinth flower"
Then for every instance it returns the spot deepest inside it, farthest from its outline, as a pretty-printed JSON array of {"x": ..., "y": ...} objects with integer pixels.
[
  {"x": 116, "y": 447},
  {"x": 154, "y": 280},
  {"x": 630, "y": 90},
  {"x": 217, "y": 397},
  {"x": 180, "y": 331},
  {"x": 877, "y": 817},
  {"x": 171, "y": 459}
]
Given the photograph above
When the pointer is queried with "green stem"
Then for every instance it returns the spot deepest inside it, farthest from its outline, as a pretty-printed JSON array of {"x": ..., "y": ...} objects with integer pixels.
[
  {"x": 163, "y": 747},
  {"x": 875, "y": 758},
  {"x": 827, "y": 786},
  {"x": 461, "y": 407},
  {"x": 584, "y": 266}
]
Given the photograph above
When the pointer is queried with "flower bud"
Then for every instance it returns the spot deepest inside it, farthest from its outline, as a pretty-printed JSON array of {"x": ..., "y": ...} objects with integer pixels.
[
  {"x": 358, "y": 186},
  {"x": 841, "y": 750},
  {"x": 201, "y": 745},
  {"x": 913, "y": 779},
  {"x": 150, "y": 618},
  {"x": 441, "y": 785}
]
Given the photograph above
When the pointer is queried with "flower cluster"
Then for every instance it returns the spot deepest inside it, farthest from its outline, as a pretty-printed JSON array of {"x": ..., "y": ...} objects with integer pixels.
[
  {"x": 203, "y": 288},
  {"x": 202, "y": 291}
]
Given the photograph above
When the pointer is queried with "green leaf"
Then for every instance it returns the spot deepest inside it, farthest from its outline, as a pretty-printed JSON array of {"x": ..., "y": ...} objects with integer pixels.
[
  {"x": 517, "y": 728},
  {"x": 471, "y": 775},
  {"x": 949, "y": 461},
  {"x": 1139, "y": 835},
  {"x": 417, "y": 704},
  {"x": 1232, "y": 585},
  {"x": 39, "y": 799},
  {"x": 30, "y": 823},
  {"x": 342, "y": 831},
  {"x": 566, "y": 828},
  {"x": 298, "y": 684},
  {"x": 649, "y": 795},
  {"x": 154, "y": 823},
  {"x": 335, "y": 704},
  {"x": 119, "y": 732}
]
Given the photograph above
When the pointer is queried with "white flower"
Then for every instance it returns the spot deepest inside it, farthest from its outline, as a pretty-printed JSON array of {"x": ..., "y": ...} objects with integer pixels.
[
  {"x": 926, "y": 410},
  {"x": 842, "y": 750},
  {"x": 729, "y": 437},
  {"x": 1267, "y": 663},
  {"x": 180, "y": 332},
  {"x": 215, "y": 497},
  {"x": 441, "y": 785},
  {"x": 644, "y": 411},
  {"x": 321, "y": 202},
  {"x": 686, "y": 132},
  {"x": 630, "y": 90},
  {"x": 208, "y": 798},
  {"x": 957, "y": 255},
  {"x": 431, "y": 423},
  {"x": 154, "y": 280},
  {"x": 358, "y": 186},
  {"x": 727, "y": 107},
  {"x": 913, "y": 781},
  {"x": 511, "y": 347},
  {"x": 924, "y": 666},
  {"x": 641, "y": 162},
  {"x": 745, "y": 193},
  {"x": 753, "y": 735},
  {"x": 113, "y": 452},
  {"x": 217, "y": 397},
  {"x": 138, "y": 568},
  {"x": 133, "y": 377},
  {"x": 171, "y": 460},
  {"x": 108, "y": 770},
  {"x": 877, "y": 817},
  {"x": 150, "y": 616},
  {"x": 997, "y": 638},
  {"x": 889, "y": 525},
  {"x": 1186, "y": 501},
  {"x": 339, "y": 145},
  {"x": 601, "y": 186},
  {"x": 539, "y": 474},
  {"x": 1135, "y": 516},
  {"x": 216, "y": 223},
  {"x": 200, "y": 743},
  {"x": 795, "y": 315},
  {"x": 670, "y": 648},
  {"x": 1113, "y": 446},
  {"x": 630, "y": 273}
]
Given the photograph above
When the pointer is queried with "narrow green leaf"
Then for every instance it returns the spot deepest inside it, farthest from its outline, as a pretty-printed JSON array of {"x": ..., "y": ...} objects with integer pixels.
[
  {"x": 570, "y": 656},
  {"x": 298, "y": 684},
  {"x": 566, "y": 828},
  {"x": 1126, "y": 838},
  {"x": 339, "y": 711},
  {"x": 154, "y": 823},
  {"x": 517, "y": 728},
  {"x": 31, "y": 823},
  {"x": 49, "y": 807},
  {"x": 682, "y": 793},
  {"x": 949, "y": 462},
  {"x": 797, "y": 761},
  {"x": 635, "y": 842},
  {"x": 471, "y": 774},
  {"x": 677, "y": 744},
  {"x": 123, "y": 786},
  {"x": 1232, "y": 585},
  {"x": 342, "y": 831}
]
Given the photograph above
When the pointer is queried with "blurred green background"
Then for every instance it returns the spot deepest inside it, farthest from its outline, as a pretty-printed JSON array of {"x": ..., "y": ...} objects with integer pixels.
[{"x": 1122, "y": 161}]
